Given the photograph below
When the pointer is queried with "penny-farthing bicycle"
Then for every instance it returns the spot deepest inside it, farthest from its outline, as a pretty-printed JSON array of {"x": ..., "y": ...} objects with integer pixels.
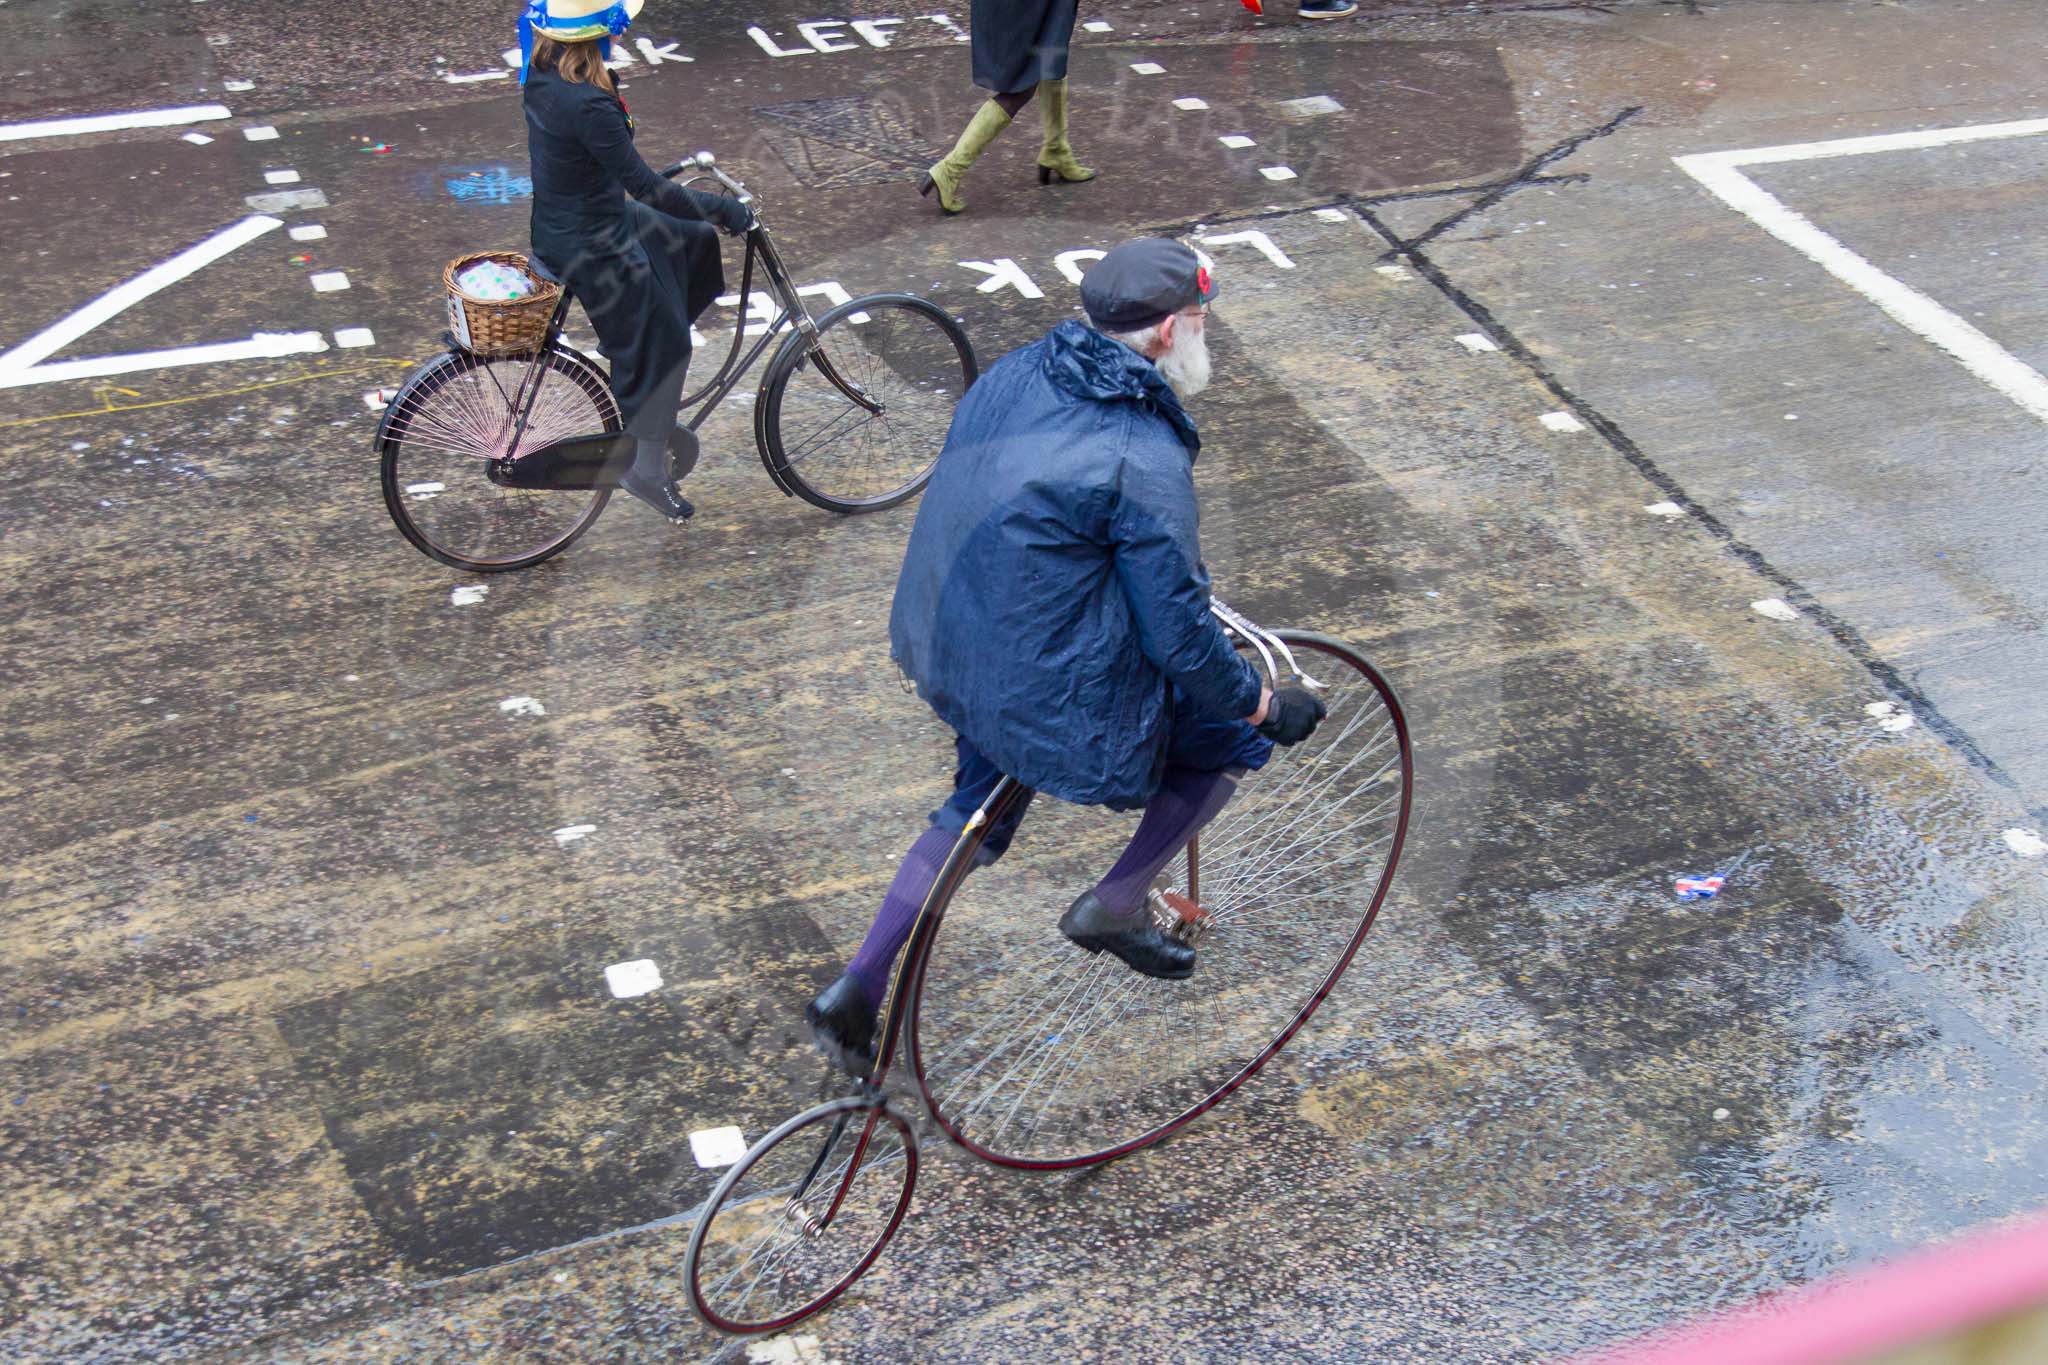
[{"x": 1032, "y": 1054}]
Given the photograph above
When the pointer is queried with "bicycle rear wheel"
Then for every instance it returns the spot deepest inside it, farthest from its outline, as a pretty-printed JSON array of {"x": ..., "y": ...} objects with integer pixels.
[
  {"x": 1032, "y": 1053},
  {"x": 801, "y": 1216},
  {"x": 450, "y": 420},
  {"x": 905, "y": 353}
]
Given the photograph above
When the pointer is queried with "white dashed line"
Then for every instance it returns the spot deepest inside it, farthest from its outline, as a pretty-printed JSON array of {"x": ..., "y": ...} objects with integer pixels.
[
  {"x": 282, "y": 177},
  {"x": 350, "y": 337},
  {"x": 1096, "y": 26},
  {"x": 308, "y": 232},
  {"x": 261, "y": 133},
  {"x": 106, "y": 123},
  {"x": 197, "y": 139},
  {"x": 1148, "y": 68},
  {"x": 1276, "y": 172},
  {"x": 1191, "y": 103},
  {"x": 1235, "y": 141},
  {"x": 328, "y": 281}
]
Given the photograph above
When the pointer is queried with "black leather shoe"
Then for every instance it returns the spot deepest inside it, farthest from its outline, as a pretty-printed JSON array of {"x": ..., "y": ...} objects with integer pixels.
[
  {"x": 662, "y": 497},
  {"x": 843, "y": 1026},
  {"x": 1133, "y": 938}
]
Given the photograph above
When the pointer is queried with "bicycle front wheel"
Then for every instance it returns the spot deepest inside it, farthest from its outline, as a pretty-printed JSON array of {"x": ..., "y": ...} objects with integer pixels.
[
  {"x": 801, "y": 1216},
  {"x": 450, "y": 420},
  {"x": 1032, "y": 1053},
  {"x": 909, "y": 358}
]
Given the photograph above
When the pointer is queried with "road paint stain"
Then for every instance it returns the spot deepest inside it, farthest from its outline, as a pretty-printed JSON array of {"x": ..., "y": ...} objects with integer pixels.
[
  {"x": 2025, "y": 842},
  {"x": 522, "y": 706},
  {"x": 1890, "y": 716},
  {"x": 1561, "y": 421},
  {"x": 716, "y": 1147},
  {"x": 569, "y": 834},
  {"x": 628, "y": 979},
  {"x": 1774, "y": 608}
]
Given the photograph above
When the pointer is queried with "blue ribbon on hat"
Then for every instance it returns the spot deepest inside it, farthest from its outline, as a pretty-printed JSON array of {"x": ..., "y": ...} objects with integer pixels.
[{"x": 535, "y": 15}]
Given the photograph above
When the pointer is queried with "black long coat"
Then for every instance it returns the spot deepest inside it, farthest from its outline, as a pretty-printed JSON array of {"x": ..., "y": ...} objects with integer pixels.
[
  {"x": 1018, "y": 43},
  {"x": 642, "y": 271}
]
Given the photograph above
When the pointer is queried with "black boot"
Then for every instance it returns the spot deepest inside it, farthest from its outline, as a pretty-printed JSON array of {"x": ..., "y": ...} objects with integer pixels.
[
  {"x": 648, "y": 480},
  {"x": 843, "y": 1026},
  {"x": 1133, "y": 938}
]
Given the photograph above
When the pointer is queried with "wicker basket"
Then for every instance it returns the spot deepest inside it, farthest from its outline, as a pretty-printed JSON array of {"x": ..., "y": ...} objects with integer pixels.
[{"x": 499, "y": 327}]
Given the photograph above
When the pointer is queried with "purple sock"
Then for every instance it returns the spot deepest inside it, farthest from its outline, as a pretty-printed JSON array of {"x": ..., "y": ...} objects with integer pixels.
[
  {"x": 1186, "y": 800},
  {"x": 870, "y": 966}
]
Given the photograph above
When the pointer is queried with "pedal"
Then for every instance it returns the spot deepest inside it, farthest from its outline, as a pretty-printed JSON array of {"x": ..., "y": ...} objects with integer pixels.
[{"x": 1178, "y": 917}]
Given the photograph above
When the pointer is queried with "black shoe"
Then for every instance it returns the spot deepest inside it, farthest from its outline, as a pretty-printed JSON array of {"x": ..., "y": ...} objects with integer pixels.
[
  {"x": 662, "y": 497},
  {"x": 1133, "y": 938},
  {"x": 1328, "y": 9},
  {"x": 843, "y": 1026}
]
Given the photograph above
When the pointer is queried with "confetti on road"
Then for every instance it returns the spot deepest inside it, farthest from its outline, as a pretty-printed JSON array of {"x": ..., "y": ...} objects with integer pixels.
[
  {"x": 1096, "y": 26},
  {"x": 628, "y": 979},
  {"x": 1310, "y": 106},
  {"x": 1330, "y": 215},
  {"x": 238, "y": 85}
]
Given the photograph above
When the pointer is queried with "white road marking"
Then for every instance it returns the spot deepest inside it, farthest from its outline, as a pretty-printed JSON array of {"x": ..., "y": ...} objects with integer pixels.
[
  {"x": 1393, "y": 272},
  {"x": 2025, "y": 842},
  {"x": 478, "y": 76},
  {"x": 1258, "y": 241},
  {"x": 1310, "y": 105},
  {"x": 348, "y": 338},
  {"x": 1919, "y": 314},
  {"x": 284, "y": 201},
  {"x": 261, "y": 133},
  {"x": 1890, "y": 716},
  {"x": 1148, "y": 68},
  {"x": 1096, "y": 26},
  {"x": 282, "y": 177},
  {"x": 1476, "y": 341},
  {"x": 469, "y": 594},
  {"x": 197, "y": 139},
  {"x": 789, "y": 1350},
  {"x": 328, "y": 281},
  {"x": 522, "y": 706},
  {"x": 716, "y": 1147},
  {"x": 628, "y": 979},
  {"x": 106, "y": 123},
  {"x": 1001, "y": 272},
  {"x": 420, "y": 492},
  {"x": 233, "y": 86},
  {"x": 1330, "y": 215},
  {"x": 262, "y": 346},
  {"x": 1664, "y": 509},
  {"x": 1276, "y": 172},
  {"x": 1236, "y": 141},
  {"x": 569, "y": 834},
  {"x": 1775, "y": 609},
  {"x": 1190, "y": 103},
  {"x": 1561, "y": 421},
  {"x": 308, "y": 232}
]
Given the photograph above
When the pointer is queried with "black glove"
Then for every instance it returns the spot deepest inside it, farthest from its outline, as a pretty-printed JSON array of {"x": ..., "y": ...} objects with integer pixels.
[
  {"x": 1293, "y": 716},
  {"x": 735, "y": 217}
]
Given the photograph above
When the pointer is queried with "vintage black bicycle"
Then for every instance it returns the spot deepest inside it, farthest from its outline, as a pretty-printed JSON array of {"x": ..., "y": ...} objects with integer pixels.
[
  {"x": 1034, "y": 1055},
  {"x": 496, "y": 463}
]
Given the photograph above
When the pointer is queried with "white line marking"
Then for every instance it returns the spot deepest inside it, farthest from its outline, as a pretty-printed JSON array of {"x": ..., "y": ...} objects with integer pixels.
[
  {"x": 283, "y": 177},
  {"x": 519, "y": 706},
  {"x": 237, "y": 85},
  {"x": 348, "y": 338},
  {"x": 1310, "y": 105},
  {"x": 628, "y": 979},
  {"x": 567, "y": 834},
  {"x": 1190, "y": 103},
  {"x": 2025, "y": 842},
  {"x": 1096, "y": 26},
  {"x": 479, "y": 76},
  {"x": 284, "y": 201},
  {"x": 1276, "y": 172},
  {"x": 262, "y": 346},
  {"x": 328, "y": 281},
  {"x": 716, "y": 1147},
  {"x": 106, "y": 123},
  {"x": 58, "y": 335},
  {"x": 1258, "y": 241},
  {"x": 1476, "y": 341},
  {"x": 197, "y": 139},
  {"x": 1911, "y": 309},
  {"x": 1561, "y": 421},
  {"x": 1330, "y": 215},
  {"x": 308, "y": 232},
  {"x": 424, "y": 491},
  {"x": 1664, "y": 509},
  {"x": 263, "y": 133},
  {"x": 1775, "y": 609},
  {"x": 1148, "y": 68},
  {"x": 1236, "y": 141}
]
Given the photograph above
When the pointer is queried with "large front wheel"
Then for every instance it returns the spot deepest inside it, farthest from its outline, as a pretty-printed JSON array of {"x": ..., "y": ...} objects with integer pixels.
[
  {"x": 801, "y": 1216},
  {"x": 853, "y": 421},
  {"x": 1032, "y": 1053}
]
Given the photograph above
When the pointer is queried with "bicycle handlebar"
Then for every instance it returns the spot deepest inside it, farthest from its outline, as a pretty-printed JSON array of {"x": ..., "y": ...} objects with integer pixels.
[
  {"x": 707, "y": 163},
  {"x": 1263, "y": 640}
]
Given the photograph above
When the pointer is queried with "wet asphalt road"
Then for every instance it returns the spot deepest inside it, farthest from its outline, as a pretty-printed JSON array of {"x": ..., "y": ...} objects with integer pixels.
[{"x": 309, "y": 1053}]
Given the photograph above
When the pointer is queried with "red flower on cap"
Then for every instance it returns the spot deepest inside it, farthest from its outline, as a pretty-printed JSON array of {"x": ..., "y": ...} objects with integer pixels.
[{"x": 1202, "y": 278}]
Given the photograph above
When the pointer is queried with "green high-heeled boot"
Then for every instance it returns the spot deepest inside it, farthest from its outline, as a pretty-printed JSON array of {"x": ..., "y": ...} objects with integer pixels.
[
  {"x": 1056, "y": 158},
  {"x": 946, "y": 173}
]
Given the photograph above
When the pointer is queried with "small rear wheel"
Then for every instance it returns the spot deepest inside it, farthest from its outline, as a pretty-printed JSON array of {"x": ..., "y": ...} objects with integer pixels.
[
  {"x": 450, "y": 420},
  {"x": 801, "y": 1216},
  {"x": 909, "y": 358}
]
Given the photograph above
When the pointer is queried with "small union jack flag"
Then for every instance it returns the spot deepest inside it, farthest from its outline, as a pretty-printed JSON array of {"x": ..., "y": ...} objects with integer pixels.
[{"x": 1699, "y": 888}]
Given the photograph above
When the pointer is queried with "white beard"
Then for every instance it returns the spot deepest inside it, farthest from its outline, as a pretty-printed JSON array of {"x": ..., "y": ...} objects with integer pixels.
[{"x": 1185, "y": 363}]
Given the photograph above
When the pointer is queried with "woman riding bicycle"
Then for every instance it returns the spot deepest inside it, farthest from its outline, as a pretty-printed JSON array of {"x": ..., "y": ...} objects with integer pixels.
[{"x": 643, "y": 268}]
